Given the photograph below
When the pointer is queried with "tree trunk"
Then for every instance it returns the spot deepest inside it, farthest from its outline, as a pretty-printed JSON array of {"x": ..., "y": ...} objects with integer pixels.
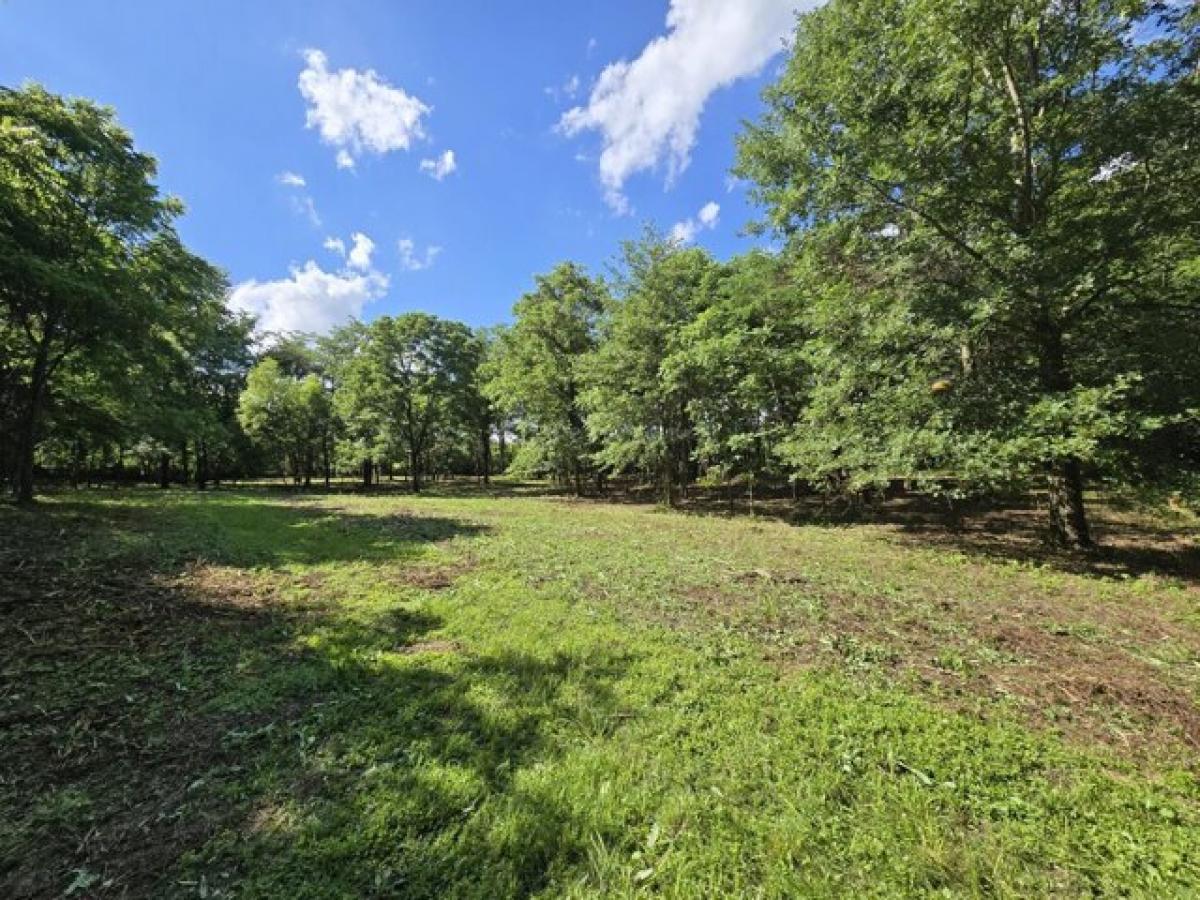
[
  {"x": 414, "y": 463},
  {"x": 76, "y": 463},
  {"x": 485, "y": 449},
  {"x": 27, "y": 435},
  {"x": 164, "y": 470},
  {"x": 201, "y": 465},
  {"x": 366, "y": 472},
  {"x": 184, "y": 463},
  {"x": 1068, "y": 516}
]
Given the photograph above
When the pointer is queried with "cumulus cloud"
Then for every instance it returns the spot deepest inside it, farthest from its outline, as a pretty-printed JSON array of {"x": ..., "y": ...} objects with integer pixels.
[
  {"x": 358, "y": 112},
  {"x": 685, "y": 232},
  {"x": 648, "y": 111},
  {"x": 291, "y": 179},
  {"x": 336, "y": 245},
  {"x": 310, "y": 299},
  {"x": 414, "y": 261},
  {"x": 359, "y": 256},
  {"x": 441, "y": 167}
]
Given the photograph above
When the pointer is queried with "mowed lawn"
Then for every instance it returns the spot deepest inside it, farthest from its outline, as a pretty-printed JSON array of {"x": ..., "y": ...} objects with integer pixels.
[{"x": 503, "y": 693}]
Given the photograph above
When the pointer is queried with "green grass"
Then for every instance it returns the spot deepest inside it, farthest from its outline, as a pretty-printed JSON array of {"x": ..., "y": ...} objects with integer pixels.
[{"x": 256, "y": 695}]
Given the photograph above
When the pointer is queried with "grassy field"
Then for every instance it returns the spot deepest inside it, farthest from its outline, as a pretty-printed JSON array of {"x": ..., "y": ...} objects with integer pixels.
[{"x": 505, "y": 693}]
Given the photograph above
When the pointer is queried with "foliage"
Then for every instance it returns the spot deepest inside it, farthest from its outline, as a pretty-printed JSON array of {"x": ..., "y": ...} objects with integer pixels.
[
  {"x": 111, "y": 326},
  {"x": 1007, "y": 186},
  {"x": 640, "y": 419},
  {"x": 535, "y": 374},
  {"x": 411, "y": 379}
]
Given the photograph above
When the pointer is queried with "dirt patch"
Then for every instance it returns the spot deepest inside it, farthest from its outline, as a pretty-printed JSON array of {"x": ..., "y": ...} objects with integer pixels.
[
  {"x": 1084, "y": 667},
  {"x": 763, "y": 575},
  {"x": 434, "y": 577}
]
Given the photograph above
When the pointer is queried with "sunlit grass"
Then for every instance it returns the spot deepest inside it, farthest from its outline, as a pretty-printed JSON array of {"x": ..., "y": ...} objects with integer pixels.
[{"x": 257, "y": 695}]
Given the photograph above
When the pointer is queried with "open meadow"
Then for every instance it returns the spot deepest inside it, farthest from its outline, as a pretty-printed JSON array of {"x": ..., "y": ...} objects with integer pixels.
[
  {"x": 687, "y": 449},
  {"x": 504, "y": 692}
]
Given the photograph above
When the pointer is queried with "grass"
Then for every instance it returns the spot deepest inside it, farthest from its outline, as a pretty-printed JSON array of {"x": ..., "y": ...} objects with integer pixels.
[{"x": 502, "y": 694}]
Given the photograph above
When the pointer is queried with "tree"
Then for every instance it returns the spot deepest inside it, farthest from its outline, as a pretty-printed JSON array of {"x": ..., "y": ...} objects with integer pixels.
[
  {"x": 83, "y": 231},
  {"x": 1011, "y": 185},
  {"x": 409, "y": 378},
  {"x": 743, "y": 360},
  {"x": 639, "y": 418},
  {"x": 535, "y": 373},
  {"x": 286, "y": 415}
]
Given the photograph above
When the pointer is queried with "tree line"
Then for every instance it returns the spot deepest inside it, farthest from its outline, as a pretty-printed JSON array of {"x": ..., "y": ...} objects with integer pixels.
[{"x": 985, "y": 277}]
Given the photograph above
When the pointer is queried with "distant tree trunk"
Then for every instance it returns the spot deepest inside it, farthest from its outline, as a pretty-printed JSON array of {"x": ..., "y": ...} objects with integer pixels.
[
  {"x": 27, "y": 430},
  {"x": 414, "y": 463},
  {"x": 503, "y": 449},
  {"x": 325, "y": 457},
  {"x": 201, "y": 465},
  {"x": 1068, "y": 515},
  {"x": 485, "y": 450},
  {"x": 367, "y": 466},
  {"x": 164, "y": 470},
  {"x": 184, "y": 462},
  {"x": 76, "y": 463}
]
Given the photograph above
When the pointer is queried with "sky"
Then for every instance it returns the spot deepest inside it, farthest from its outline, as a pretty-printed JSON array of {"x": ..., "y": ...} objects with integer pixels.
[{"x": 367, "y": 157}]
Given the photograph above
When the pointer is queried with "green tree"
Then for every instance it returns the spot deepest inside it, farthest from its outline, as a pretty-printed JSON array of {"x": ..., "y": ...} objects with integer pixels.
[
  {"x": 742, "y": 361},
  {"x": 286, "y": 415},
  {"x": 84, "y": 233},
  {"x": 535, "y": 375},
  {"x": 641, "y": 419},
  {"x": 1010, "y": 186},
  {"x": 408, "y": 382}
]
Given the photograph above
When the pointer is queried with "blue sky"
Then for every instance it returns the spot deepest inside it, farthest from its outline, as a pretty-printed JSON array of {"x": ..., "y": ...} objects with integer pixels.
[{"x": 570, "y": 125}]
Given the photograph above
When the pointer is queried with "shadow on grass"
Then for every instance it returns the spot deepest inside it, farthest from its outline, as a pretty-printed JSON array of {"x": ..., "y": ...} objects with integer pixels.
[
  {"x": 165, "y": 734},
  {"x": 244, "y": 529},
  {"x": 1129, "y": 543}
]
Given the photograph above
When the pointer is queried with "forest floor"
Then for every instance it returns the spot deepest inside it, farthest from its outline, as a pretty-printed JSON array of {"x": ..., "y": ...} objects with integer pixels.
[{"x": 506, "y": 693}]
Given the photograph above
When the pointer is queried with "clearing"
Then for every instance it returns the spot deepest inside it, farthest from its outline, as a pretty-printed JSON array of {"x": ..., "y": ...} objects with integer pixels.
[{"x": 506, "y": 693}]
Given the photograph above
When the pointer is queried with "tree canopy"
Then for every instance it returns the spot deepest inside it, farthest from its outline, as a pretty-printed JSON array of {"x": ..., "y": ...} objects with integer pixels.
[{"x": 985, "y": 277}]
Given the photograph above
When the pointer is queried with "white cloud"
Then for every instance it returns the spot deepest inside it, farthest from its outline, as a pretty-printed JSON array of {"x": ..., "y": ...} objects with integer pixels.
[
  {"x": 648, "y": 110},
  {"x": 441, "y": 167},
  {"x": 685, "y": 232},
  {"x": 291, "y": 179},
  {"x": 302, "y": 205},
  {"x": 413, "y": 261},
  {"x": 336, "y": 245},
  {"x": 310, "y": 299},
  {"x": 360, "y": 254},
  {"x": 358, "y": 112}
]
